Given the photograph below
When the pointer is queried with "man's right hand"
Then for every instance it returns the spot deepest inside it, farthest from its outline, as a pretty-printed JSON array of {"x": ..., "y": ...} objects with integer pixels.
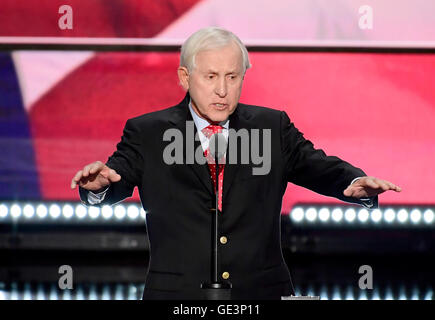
[{"x": 95, "y": 176}]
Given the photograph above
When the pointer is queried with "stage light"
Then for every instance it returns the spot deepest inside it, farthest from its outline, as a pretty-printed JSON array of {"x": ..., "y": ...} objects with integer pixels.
[
  {"x": 107, "y": 212},
  {"x": 350, "y": 215},
  {"x": 143, "y": 213},
  {"x": 415, "y": 216},
  {"x": 389, "y": 294},
  {"x": 132, "y": 212},
  {"x": 40, "y": 295},
  {"x": 428, "y": 216},
  {"x": 67, "y": 211},
  {"x": 66, "y": 294},
  {"x": 375, "y": 295},
  {"x": 363, "y": 295},
  {"x": 389, "y": 215},
  {"x": 3, "y": 211},
  {"x": 337, "y": 214},
  {"x": 119, "y": 212},
  {"x": 118, "y": 292},
  {"x": 336, "y": 293},
  {"x": 324, "y": 214},
  {"x": 94, "y": 212},
  {"x": 363, "y": 215},
  {"x": 54, "y": 211},
  {"x": 402, "y": 215},
  {"x": 81, "y": 211},
  {"x": 15, "y": 211},
  {"x": 41, "y": 211},
  {"x": 53, "y": 293},
  {"x": 429, "y": 295},
  {"x": 28, "y": 211},
  {"x": 93, "y": 293},
  {"x": 376, "y": 215},
  {"x": 80, "y": 295},
  {"x": 106, "y": 292},
  {"x": 311, "y": 214},
  {"x": 27, "y": 294},
  {"x": 414, "y": 293},
  {"x": 297, "y": 214},
  {"x": 349, "y": 294}
]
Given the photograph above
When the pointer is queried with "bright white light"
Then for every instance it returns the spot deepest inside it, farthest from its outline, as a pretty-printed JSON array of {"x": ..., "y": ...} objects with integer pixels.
[
  {"x": 376, "y": 295},
  {"x": 428, "y": 295},
  {"x": 28, "y": 211},
  {"x": 67, "y": 211},
  {"x": 415, "y": 293},
  {"x": 336, "y": 293},
  {"x": 132, "y": 212},
  {"x": 415, "y": 216},
  {"x": 41, "y": 211},
  {"x": 142, "y": 213},
  {"x": 389, "y": 215},
  {"x": 120, "y": 212},
  {"x": 376, "y": 215},
  {"x": 15, "y": 211},
  {"x": 363, "y": 215},
  {"x": 297, "y": 214},
  {"x": 54, "y": 211},
  {"x": 107, "y": 212},
  {"x": 428, "y": 216},
  {"x": 81, "y": 211},
  {"x": 311, "y": 214},
  {"x": 324, "y": 214},
  {"x": 389, "y": 294},
  {"x": 337, "y": 214},
  {"x": 3, "y": 211},
  {"x": 402, "y": 215},
  {"x": 94, "y": 212},
  {"x": 350, "y": 215},
  {"x": 363, "y": 295}
]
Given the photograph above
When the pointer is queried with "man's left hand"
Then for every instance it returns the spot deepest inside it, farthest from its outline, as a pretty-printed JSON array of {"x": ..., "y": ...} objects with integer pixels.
[{"x": 368, "y": 187}]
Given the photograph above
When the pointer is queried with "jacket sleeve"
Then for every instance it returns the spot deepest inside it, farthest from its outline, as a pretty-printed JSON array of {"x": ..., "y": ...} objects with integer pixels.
[
  {"x": 128, "y": 162},
  {"x": 311, "y": 168}
]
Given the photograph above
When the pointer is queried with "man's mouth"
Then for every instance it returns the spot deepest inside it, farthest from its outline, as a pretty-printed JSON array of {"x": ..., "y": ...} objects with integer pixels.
[{"x": 220, "y": 106}]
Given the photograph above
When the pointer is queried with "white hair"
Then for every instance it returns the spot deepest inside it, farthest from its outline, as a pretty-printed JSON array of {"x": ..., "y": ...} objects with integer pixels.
[{"x": 210, "y": 38}]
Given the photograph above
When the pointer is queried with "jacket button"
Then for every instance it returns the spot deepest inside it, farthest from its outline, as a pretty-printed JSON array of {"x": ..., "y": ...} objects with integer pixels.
[
  {"x": 225, "y": 275},
  {"x": 223, "y": 240}
]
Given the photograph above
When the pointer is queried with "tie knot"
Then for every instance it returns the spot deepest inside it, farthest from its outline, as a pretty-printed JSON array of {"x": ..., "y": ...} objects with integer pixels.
[{"x": 211, "y": 130}]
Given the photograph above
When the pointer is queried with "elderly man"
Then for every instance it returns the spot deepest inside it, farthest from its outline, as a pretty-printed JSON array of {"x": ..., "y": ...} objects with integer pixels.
[{"x": 179, "y": 198}]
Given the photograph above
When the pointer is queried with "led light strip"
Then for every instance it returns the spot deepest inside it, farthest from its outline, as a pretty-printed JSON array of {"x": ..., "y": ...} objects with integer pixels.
[
  {"x": 311, "y": 215},
  {"x": 70, "y": 212},
  {"x": 132, "y": 291}
]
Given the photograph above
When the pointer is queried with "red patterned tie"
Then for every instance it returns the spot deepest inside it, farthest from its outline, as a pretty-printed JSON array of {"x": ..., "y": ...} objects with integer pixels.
[{"x": 208, "y": 132}]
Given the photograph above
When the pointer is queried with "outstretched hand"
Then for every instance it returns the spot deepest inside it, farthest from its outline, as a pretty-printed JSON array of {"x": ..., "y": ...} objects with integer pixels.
[
  {"x": 369, "y": 187},
  {"x": 95, "y": 176}
]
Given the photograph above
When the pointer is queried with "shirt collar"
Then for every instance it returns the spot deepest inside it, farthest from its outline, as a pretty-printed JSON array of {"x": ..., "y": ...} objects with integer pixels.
[{"x": 201, "y": 123}]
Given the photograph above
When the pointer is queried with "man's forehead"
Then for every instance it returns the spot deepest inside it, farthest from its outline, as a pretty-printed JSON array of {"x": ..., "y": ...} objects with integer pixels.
[{"x": 216, "y": 62}]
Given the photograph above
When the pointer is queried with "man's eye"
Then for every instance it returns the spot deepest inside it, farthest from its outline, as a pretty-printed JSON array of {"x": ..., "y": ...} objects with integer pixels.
[{"x": 210, "y": 76}]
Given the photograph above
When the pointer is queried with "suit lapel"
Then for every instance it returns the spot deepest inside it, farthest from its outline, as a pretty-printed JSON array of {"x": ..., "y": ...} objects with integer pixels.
[
  {"x": 237, "y": 121},
  {"x": 179, "y": 118}
]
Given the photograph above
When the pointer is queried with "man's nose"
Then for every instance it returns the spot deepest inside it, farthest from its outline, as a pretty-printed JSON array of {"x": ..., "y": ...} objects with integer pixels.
[{"x": 221, "y": 88}]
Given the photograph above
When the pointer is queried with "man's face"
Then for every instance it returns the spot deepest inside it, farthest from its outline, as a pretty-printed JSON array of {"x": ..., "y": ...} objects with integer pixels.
[{"x": 216, "y": 82}]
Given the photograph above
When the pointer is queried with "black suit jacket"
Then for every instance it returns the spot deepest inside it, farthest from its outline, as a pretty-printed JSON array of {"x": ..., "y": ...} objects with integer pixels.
[{"x": 178, "y": 200}]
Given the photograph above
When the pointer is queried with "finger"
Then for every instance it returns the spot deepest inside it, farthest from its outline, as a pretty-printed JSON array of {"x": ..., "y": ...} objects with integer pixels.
[
  {"x": 86, "y": 170},
  {"x": 371, "y": 183},
  {"x": 114, "y": 176},
  {"x": 76, "y": 179},
  {"x": 97, "y": 166}
]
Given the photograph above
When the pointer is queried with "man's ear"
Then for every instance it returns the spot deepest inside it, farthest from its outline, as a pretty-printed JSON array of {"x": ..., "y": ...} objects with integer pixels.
[{"x": 183, "y": 76}]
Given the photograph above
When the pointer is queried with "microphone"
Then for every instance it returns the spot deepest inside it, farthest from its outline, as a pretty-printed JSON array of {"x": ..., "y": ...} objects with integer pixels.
[
  {"x": 218, "y": 147},
  {"x": 215, "y": 289}
]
